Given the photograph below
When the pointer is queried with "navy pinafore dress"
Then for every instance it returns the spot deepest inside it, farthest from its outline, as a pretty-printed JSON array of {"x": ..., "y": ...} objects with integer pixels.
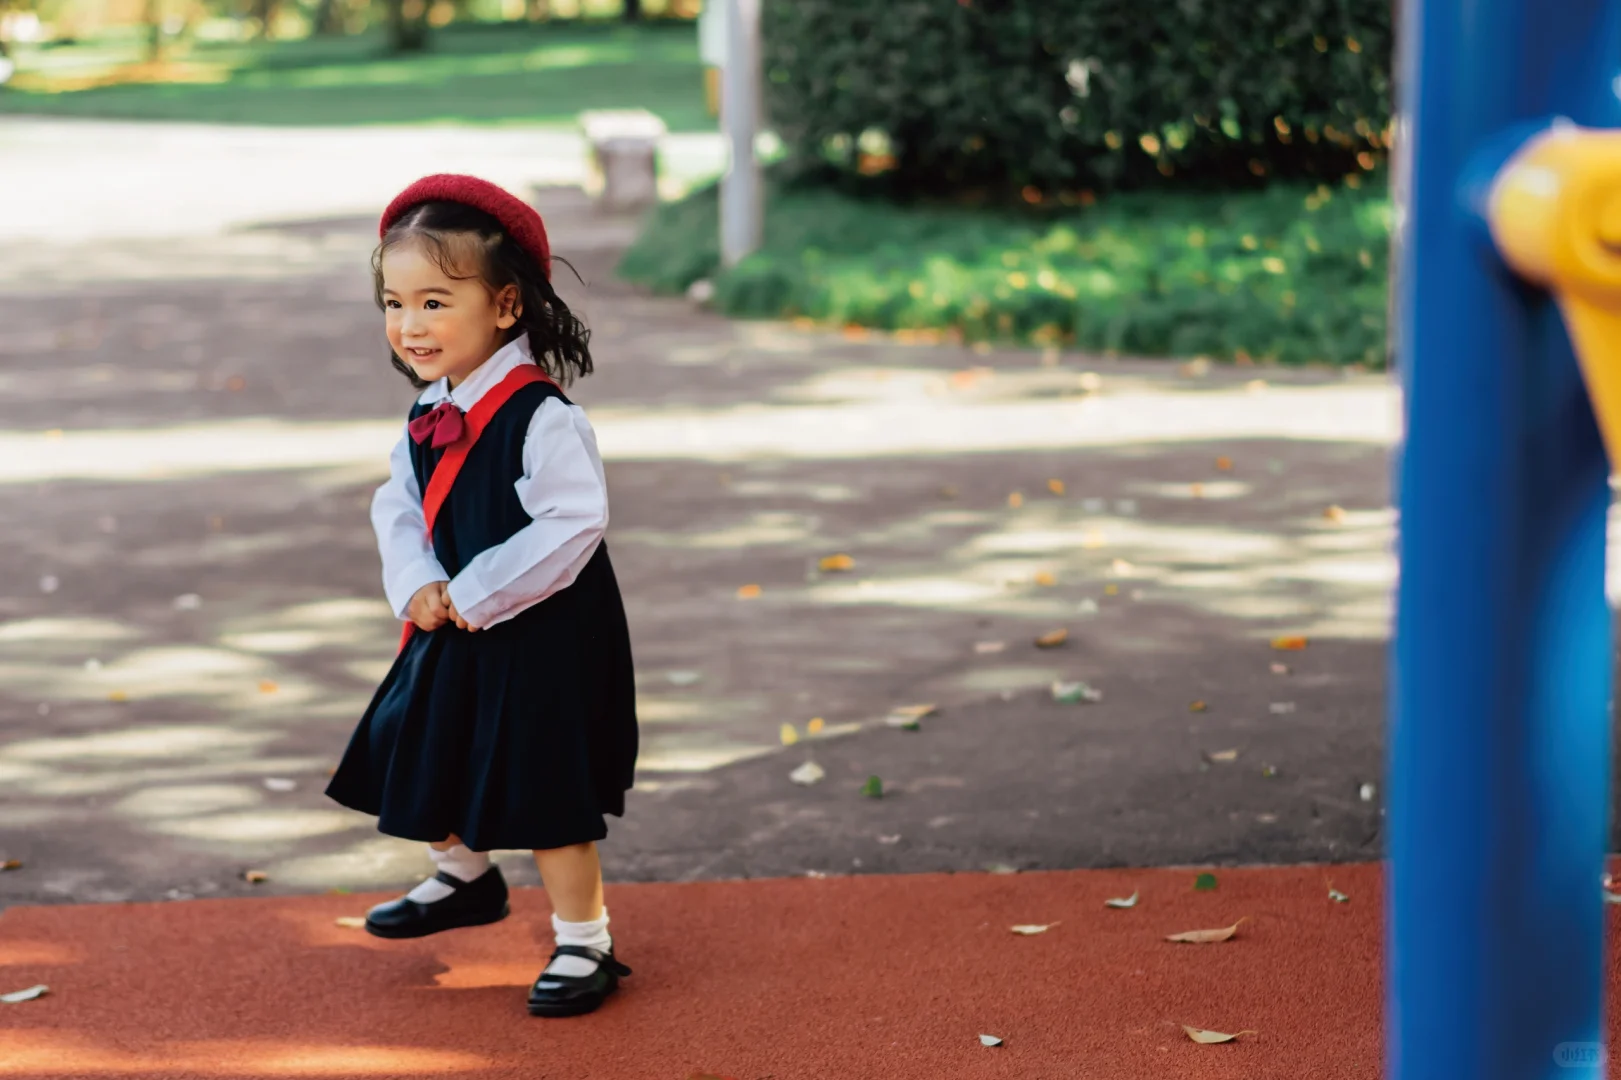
[{"x": 520, "y": 735}]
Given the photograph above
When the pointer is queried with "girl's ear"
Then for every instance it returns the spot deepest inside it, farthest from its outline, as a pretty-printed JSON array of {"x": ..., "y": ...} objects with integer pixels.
[{"x": 508, "y": 306}]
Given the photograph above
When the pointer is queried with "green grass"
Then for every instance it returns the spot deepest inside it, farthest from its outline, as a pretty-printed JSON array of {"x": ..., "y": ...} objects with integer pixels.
[
  {"x": 491, "y": 74},
  {"x": 1292, "y": 275}
]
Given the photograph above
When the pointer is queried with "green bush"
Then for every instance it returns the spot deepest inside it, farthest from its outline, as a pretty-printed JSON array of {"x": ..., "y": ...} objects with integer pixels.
[
  {"x": 1047, "y": 98},
  {"x": 1292, "y": 273}
]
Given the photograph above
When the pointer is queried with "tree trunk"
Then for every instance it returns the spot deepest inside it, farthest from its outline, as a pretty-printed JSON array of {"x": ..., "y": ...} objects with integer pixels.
[
  {"x": 265, "y": 12},
  {"x": 327, "y": 18},
  {"x": 633, "y": 10},
  {"x": 154, "y": 30},
  {"x": 407, "y": 25}
]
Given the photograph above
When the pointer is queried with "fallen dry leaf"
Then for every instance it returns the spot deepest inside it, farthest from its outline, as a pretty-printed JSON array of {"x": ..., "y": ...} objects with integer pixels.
[
  {"x": 1090, "y": 381},
  {"x": 989, "y": 1040},
  {"x": 235, "y": 382},
  {"x": 1122, "y": 901},
  {"x": 266, "y": 686},
  {"x": 1001, "y": 868},
  {"x": 11, "y": 864},
  {"x": 1335, "y": 514},
  {"x": 254, "y": 877},
  {"x": 1198, "y": 706},
  {"x": 948, "y": 492},
  {"x": 1280, "y": 669},
  {"x": 1225, "y": 464},
  {"x": 1052, "y": 639},
  {"x": 1075, "y": 693},
  {"x": 1030, "y": 929},
  {"x": 19, "y": 996},
  {"x": 816, "y": 725},
  {"x": 1196, "y": 490},
  {"x": 1055, "y": 486},
  {"x": 1093, "y": 540},
  {"x": 1198, "y": 367},
  {"x": 1046, "y": 579},
  {"x": 986, "y": 648},
  {"x": 280, "y": 783},
  {"x": 1289, "y": 643},
  {"x": 351, "y": 922},
  {"x": 1340, "y": 898},
  {"x": 748, "y": 592},
  {"x": 117, "y": 695},
  {"x": 907, "y": 716},
  {"x": 807, "y": 774},
  {"x": 1015, "y": 500},
  {"x": 836, "y": 563},
  {"x": 1223, "y": 755},
  {"x": 1206, "y": 937},
  {"x": 1202, "y": 1035},
  {"x": 789, "y": 735}
]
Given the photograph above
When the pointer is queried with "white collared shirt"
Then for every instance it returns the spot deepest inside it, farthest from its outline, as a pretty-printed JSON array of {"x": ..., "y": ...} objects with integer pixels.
[{"x": 562, "y": 488}]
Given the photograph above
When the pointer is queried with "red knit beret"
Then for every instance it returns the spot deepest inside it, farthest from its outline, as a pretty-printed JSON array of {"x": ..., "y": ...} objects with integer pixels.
[{"x": 517, "y": 217}]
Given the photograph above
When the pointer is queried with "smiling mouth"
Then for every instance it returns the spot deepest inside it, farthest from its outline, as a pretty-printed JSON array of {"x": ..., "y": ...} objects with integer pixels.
[{"x": 421, "y": 354}]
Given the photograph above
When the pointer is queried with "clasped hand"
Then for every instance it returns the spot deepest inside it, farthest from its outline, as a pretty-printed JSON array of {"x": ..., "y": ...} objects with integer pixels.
[{"x": 432, "y": 608}]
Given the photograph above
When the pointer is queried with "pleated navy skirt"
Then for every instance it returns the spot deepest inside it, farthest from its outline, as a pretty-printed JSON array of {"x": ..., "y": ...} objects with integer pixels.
[{"x": 521, "y": 735}]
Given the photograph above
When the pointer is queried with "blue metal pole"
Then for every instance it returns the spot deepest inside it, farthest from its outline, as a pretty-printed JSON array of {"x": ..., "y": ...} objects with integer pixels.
[{"x": 1499, "y": 709}]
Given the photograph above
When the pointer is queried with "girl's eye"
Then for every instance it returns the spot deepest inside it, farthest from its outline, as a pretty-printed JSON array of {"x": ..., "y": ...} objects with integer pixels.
[
  {"x": 391, "y": 303},
  {"x": 432, "y": 305}
]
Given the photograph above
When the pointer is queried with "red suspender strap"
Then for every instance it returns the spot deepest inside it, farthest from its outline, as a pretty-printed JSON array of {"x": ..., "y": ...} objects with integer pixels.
[
  {"x": 455, "y": 455},
  {"x": 478, "y": 418}
]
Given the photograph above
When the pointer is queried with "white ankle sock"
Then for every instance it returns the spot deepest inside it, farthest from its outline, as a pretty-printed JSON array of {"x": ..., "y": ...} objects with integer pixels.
[
  {"x": 593, "y": 933},
  {"x": 456, "y": 861}
]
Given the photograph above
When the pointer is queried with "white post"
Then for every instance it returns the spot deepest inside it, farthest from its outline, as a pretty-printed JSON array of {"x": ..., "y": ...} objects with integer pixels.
[{"x": 740, "y": 202}]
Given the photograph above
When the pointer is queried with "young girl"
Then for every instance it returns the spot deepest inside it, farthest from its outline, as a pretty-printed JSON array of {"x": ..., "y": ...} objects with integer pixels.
[{"x": 509, "y": 717}]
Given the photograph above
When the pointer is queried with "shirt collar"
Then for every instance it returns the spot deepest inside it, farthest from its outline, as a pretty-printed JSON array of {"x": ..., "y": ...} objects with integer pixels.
[{"x": 483, "y": 378}]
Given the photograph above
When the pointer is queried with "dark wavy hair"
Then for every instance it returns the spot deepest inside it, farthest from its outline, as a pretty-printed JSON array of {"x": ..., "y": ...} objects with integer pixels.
[{"x": 461, "y": 238}]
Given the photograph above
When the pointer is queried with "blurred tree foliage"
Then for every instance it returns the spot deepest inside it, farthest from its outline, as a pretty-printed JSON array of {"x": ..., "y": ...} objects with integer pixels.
[
  {"x": 1049, "y": 99},
  {"x": 408, "y": 22}
]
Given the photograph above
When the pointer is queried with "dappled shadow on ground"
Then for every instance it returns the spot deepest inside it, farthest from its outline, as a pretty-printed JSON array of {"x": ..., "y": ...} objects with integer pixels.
[{"x": 194, "y": 608}]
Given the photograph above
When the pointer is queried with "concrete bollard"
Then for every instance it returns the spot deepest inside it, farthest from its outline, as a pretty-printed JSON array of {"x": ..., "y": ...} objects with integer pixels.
[{"x": 624, "y": 157}]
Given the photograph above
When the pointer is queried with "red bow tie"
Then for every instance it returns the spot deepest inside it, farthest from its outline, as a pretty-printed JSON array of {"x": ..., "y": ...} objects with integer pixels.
[{"x": 443, "y": 424}]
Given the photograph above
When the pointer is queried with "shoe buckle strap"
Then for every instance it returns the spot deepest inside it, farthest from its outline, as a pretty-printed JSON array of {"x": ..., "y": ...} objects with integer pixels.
[{"x": 589, "y": 953}]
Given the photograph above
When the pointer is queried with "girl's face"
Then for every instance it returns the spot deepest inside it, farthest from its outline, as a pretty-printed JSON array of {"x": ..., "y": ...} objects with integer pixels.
[{"x": 442, "y": 326}]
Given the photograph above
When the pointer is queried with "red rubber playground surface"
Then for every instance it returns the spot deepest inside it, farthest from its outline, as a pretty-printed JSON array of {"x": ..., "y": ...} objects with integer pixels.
[{"x": 847, "y": 978}]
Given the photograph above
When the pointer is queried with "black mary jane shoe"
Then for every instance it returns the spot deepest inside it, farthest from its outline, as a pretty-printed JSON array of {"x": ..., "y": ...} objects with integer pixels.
[
  {"x": 474, "y": 903},
  {"x": 575, "y": 995}
]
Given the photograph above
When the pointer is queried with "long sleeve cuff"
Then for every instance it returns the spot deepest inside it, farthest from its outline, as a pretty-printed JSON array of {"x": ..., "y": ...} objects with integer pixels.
[{"x": 405, "y": 584}]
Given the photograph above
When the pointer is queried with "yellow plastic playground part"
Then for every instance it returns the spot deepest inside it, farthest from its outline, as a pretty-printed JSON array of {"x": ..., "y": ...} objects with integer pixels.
[{"x": 1555, "y": 214}]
